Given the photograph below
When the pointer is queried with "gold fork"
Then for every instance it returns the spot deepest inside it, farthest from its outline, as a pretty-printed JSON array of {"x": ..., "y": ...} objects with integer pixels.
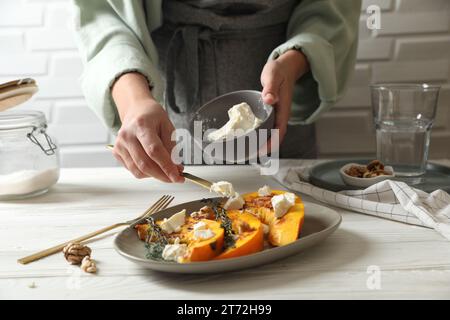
[{"x": 162, "y": 203}]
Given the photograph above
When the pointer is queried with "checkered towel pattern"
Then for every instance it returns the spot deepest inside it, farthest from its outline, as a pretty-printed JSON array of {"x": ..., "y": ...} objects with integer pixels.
[{"x": 387, "y": 199}]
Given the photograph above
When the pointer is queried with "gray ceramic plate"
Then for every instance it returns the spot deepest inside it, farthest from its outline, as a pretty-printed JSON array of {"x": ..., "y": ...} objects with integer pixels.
[
  {"x": 326, "y": 175},
  {"x": 319, "y": 223}
]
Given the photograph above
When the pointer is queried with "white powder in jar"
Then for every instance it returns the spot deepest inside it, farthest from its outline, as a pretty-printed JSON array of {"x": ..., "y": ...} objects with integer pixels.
[{"x": 27, "y": 181}]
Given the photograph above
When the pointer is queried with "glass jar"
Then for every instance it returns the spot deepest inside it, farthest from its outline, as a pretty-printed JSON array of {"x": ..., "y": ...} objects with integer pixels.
[{"x": 29, "y": 158}]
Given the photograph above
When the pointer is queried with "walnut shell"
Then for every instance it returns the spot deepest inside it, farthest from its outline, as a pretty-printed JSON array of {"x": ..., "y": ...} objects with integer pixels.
[{"x": 75, "y": 252}]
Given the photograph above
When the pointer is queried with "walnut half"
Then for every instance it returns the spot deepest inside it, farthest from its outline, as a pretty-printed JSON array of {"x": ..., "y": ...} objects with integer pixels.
[{"x": 373, "y": 169}]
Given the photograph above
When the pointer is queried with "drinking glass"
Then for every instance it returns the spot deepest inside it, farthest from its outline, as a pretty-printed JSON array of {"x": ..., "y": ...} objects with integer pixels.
[{"x": 404, "y": 115}]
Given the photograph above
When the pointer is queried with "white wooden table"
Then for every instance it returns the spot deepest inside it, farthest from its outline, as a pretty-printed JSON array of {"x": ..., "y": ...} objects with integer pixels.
[{"x": 414, "y": 262}]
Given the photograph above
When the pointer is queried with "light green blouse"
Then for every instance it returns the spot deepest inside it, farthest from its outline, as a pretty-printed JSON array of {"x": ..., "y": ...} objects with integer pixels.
[{"x": 113, "y": 37}]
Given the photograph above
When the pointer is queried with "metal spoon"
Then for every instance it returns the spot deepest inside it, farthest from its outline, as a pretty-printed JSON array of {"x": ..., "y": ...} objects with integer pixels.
[{"x": 188, "y": 176}]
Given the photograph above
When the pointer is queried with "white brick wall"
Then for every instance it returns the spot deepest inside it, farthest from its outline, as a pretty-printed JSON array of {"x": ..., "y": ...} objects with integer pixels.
[
  {"x": 36, "y": 41},
  {"x": 413, "y": 45}
]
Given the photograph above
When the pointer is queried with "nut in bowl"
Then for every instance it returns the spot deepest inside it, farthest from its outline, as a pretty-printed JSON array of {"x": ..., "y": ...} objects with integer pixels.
[{"x": 358, "y": 175}]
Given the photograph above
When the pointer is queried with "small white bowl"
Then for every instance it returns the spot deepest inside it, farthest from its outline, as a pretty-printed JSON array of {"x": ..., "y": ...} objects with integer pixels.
[{"x": 363, "y": 182}]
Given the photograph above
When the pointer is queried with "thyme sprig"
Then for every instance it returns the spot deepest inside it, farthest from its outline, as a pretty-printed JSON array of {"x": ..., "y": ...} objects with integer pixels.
[
  {"x": 156, "y": 240},
  {"x": 225, "y": 222},
  {"x": 154, "y": 251}
]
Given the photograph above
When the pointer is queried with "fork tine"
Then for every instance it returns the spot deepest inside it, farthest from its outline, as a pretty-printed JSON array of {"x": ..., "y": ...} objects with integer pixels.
[
  {"x": 162, "y": 206},
  {"x": 154, "y": 206},
  {"x": 157, "y": 206}
]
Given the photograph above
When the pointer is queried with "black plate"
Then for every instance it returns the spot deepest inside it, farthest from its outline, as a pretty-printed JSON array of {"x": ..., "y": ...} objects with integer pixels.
[{"x": 326, "y": 175}]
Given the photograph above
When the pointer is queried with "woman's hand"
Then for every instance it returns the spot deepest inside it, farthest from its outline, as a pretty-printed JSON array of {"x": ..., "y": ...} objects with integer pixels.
[
  {"x": 278, "y": 79},
  {"x": 143, "y": 143}
]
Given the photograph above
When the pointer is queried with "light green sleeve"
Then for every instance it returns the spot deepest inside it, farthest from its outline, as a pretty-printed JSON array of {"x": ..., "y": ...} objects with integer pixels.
[
  {"x": 113, "y": 38},
  {"x": 326, "y": 31}
]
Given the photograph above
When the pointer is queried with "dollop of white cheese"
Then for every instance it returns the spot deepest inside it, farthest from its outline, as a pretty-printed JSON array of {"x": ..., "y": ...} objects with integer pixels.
[
  {"x": 224, "y": 188},
  {"x": 174, "y": 252},
  {"x": 234, "y": 203},
  {"x": 201, "y": 231},
  {"x": 203, "y": 234},
  {"x": 241, "y": 121},
  {"x": 174, "y": 223},
  {"x": 199, "y": 225},
  {"x": 264, "y": 191},
  {"x": 282, "y": 203}
]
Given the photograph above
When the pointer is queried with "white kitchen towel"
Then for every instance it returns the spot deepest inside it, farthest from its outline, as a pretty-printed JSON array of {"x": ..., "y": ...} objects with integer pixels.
[{"x": 389, "y": 199}]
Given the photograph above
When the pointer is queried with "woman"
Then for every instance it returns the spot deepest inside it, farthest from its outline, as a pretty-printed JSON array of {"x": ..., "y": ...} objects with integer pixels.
[{"x": 300, "y": 51}]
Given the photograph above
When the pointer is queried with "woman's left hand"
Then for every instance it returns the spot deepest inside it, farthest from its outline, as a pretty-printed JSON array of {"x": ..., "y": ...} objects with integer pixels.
[{"x": 278, "y": 79}]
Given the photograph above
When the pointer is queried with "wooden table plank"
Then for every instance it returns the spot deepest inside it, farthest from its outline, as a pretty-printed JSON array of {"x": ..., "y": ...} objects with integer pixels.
[{"x": 414, "y": 261}]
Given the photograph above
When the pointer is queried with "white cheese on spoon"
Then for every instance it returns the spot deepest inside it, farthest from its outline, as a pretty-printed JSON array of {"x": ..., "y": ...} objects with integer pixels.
[{"x": 224, "y": 188}]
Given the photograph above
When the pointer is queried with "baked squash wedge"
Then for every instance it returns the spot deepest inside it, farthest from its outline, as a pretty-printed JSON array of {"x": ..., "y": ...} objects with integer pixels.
[
  {"x": 198, "y": 249},
  {"x": 249, "y": 235},
  {"x": 284, "y": 230},
  {"x": 204, "y": 250}
]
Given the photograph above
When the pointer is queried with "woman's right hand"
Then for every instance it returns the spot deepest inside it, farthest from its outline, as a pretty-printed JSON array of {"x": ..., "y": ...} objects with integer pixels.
[{"x": 143, "y": 143}]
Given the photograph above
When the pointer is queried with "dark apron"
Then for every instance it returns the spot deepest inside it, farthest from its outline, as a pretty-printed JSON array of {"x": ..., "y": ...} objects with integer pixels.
[{"x": 206, "y": 51}]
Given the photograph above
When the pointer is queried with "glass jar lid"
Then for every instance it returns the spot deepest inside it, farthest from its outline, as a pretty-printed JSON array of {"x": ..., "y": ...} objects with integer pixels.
[
  {"x": 21, "y": 119},
  {"x": 15, "y": 92}
]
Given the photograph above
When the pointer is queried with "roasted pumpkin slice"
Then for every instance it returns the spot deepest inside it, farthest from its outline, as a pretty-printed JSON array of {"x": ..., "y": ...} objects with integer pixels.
[
  {"x": 249, "y": 232},
  {"x": 284, "y": 230},
  {"x": 142, "y": 231},
  {"x": 287, "y": 229},
  {"x": 203, "y": 250}
]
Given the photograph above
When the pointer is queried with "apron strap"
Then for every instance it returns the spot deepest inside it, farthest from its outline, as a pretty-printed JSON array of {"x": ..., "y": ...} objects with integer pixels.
[
  {"x": 186, "y": 39},
  {"x": 193, "y": 34}
]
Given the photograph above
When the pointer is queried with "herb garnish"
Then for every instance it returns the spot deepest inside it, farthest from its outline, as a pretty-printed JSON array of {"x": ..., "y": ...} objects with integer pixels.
[
  {"x": 154, "y": 251},
  {"x": 156, "y": 240},
  {"x": 225, "y": 222}
]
